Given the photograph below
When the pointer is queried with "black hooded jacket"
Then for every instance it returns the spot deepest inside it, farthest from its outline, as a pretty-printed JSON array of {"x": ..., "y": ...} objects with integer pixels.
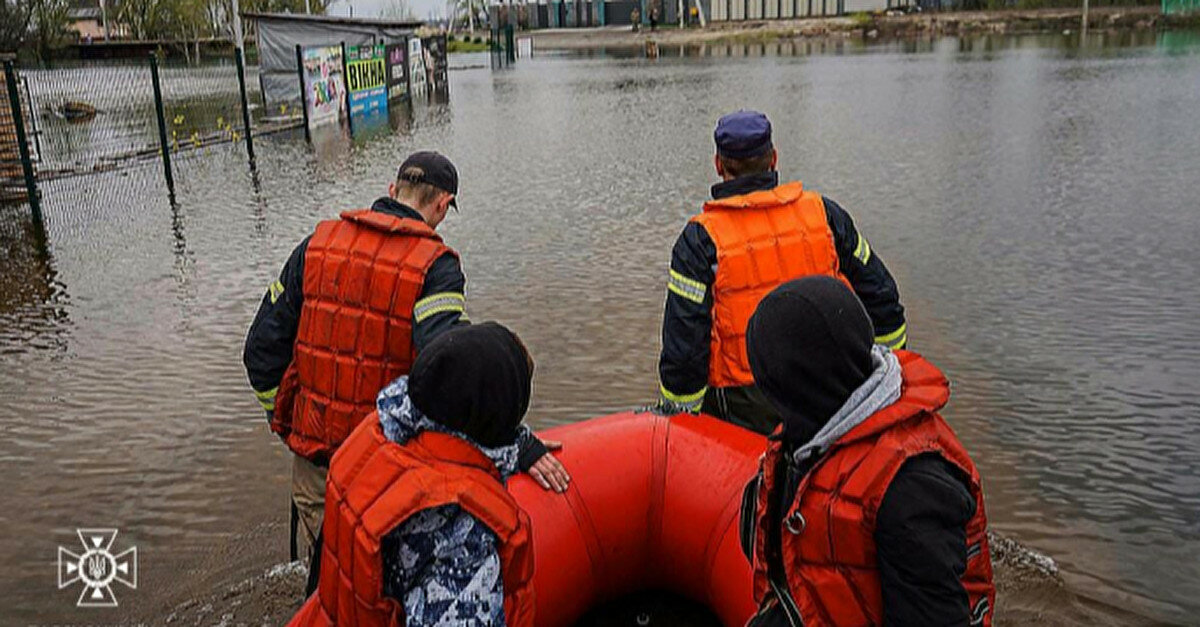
[{"x": 809, "y": 344}]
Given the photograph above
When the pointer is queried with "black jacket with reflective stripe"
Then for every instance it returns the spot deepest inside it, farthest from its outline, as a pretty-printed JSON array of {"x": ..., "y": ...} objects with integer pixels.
[
  {"x": 268, "y": 348},
  {"x": 687, "y": 325}
]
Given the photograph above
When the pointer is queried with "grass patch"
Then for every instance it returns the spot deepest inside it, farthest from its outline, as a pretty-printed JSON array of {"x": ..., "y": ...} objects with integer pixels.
[
  {"x": 466, "y": 46},
  {"x": 862, "y": 19}
]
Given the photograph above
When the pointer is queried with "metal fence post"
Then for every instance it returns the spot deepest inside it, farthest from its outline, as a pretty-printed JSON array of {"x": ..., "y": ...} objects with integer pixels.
[
  {"x": 509, "y": 43},
  {"x": 303, "y": 93},
  {"x": 241, "y": 73},
  {"x": 162, "y": 125},
  {"x": 18, "y": 118},
  {"x": 346, "y": 88}
]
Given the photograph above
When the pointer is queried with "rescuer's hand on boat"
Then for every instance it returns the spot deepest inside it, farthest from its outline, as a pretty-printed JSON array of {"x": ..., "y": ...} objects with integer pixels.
[{"x": 548, "y": 471}]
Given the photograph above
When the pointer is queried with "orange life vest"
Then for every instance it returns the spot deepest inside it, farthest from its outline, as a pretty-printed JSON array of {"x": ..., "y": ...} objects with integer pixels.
[
  {"x": 375, "y": 485},
  {"x": 828, "y": 535},
  {"x": 362, "y": 276},
  {"x": 763, "y": 240}
]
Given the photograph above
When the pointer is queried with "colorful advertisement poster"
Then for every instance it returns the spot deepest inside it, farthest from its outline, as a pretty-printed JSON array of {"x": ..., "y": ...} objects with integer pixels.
[
  {"x": 397, "y": 72},
  {"x": 366, "y": 81},
  {"x": 435, "y": 63},
  {"x": 416, "y": 68},
  {"x": 325, "y": 93}
]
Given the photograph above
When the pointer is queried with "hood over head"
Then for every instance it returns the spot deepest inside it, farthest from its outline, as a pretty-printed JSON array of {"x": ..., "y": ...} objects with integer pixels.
[
  {"x": 809, "y": 343},
  {"x": 475, "y": 379}
]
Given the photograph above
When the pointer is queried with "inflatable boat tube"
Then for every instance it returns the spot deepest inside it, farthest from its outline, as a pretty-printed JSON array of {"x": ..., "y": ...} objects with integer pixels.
[{"x": 653, "y": 505}]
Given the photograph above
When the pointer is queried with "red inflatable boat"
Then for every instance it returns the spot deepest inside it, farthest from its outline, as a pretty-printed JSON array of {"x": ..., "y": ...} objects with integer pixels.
[{"x": 653, "y": 505}]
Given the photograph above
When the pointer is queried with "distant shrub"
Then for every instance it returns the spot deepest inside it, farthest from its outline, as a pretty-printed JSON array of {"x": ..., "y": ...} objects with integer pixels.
[{"x": 862, "y": 19}]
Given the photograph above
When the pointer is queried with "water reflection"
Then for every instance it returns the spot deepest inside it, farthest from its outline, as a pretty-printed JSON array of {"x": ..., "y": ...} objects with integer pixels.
[{"x": 33, "y": 300}]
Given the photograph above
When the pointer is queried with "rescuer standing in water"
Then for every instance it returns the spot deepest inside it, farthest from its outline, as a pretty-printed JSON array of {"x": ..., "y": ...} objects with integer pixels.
[
  {"x": 867, "y": 510},
  {"x": 419, "y": 529},
  {"x": 754, "y": 235},
  {"x": 354, "y": 304}
]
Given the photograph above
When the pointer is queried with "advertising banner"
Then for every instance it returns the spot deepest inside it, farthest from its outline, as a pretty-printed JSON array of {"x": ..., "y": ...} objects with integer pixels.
[
  {"x": 416, "y": 68},
  {"x": 397, "y": 72},
  {"x": 435, "y": 62},
  {"x": 325, "y": 93},
  {"x": 366, "y": 81}
]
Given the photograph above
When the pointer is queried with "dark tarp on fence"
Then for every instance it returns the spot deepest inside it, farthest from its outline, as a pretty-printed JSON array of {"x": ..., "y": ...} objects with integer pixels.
[{"x": 278, "y": 34}]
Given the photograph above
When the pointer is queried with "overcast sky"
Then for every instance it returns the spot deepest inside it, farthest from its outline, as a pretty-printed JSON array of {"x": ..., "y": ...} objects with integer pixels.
[{"x": 423, "y": 9}]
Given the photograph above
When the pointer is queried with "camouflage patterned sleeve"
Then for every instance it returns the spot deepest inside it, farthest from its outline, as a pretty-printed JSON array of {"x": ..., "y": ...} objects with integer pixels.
[{"x": 442, "y": 565}]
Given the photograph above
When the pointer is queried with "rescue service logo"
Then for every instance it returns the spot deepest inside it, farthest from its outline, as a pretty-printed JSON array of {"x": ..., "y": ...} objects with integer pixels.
[{"x": 97, "y": 568}]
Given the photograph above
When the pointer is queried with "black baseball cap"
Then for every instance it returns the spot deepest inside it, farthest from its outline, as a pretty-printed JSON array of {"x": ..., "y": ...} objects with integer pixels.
[{"x": 432, "y": 168}]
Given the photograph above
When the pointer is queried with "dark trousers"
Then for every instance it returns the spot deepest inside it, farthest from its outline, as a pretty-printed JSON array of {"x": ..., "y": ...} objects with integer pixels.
[{"x": 744, "y": 406}]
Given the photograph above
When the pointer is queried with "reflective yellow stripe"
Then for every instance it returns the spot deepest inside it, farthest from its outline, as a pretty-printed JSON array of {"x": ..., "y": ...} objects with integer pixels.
[
  {"x": 267, "y": 398},
  {"x": 863, "y": 251},
  {"x": 439, "y": 303},
  {"x": 684, "y": 287},
  {"x": 688, "y": 400},
  {"x": 276, "y": 290},
  {"x": 895, "y": 339}
]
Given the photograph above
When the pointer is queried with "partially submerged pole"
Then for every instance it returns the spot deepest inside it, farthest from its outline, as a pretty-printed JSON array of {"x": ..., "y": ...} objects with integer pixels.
[
  {"x": 18, "y": 119},
  {"x": 303, "y": 93},
  {"x": 239, "y": 51},
  {"x": 162, "y": 126}
]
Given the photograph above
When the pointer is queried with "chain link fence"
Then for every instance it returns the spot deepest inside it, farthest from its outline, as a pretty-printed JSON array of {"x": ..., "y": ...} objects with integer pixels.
[{"x": 88, "y": 117}]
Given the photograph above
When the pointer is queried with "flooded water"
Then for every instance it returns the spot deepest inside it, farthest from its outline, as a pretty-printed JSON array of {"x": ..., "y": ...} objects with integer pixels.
[{"x": 1037, "y": 204}]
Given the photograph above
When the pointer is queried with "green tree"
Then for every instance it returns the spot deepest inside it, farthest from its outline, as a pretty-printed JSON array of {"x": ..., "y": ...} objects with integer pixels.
[
  {"x": 16, "y": 24},
  {"x": 50, "y": 26}
]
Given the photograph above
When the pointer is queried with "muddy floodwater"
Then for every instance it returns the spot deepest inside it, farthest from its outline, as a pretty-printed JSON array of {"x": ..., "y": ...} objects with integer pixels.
[{"x": 1039, "y": 206}]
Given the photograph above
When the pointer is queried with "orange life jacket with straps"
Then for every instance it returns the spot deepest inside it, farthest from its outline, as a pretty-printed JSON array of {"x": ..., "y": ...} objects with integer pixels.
[
  {"x": 363, "y": 274},
  {"x": 763, "y": 240},
  {"x": 374, "y": 485},
  {"x": 828, "y": 533}
]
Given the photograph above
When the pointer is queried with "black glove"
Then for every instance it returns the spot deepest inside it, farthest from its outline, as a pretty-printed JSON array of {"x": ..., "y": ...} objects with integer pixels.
[{"x": 531, "y": 449}]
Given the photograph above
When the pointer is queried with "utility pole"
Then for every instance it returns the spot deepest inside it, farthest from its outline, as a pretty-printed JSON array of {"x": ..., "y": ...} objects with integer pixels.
[
  {"x": 1083, "y": 35},
  {"x": 104, "y": 18},
  {"x": 238, "y": 39}
]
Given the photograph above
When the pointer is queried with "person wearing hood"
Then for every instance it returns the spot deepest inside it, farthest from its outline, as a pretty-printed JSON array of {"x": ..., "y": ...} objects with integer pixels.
[
  {"x": 867, "y": 509},
  {"x": 754, "y": 234},
  {"x": 419, "y": 529}
]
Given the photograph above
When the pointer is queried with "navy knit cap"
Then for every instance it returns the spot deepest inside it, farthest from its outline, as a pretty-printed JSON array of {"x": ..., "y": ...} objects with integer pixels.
[{"x": 743, "y": 134}]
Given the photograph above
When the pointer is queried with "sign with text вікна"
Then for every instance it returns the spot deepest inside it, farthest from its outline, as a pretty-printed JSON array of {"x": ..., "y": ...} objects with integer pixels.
[
  {"x": 366, "y": 80},
  {"x": 397, "y": 68},
  {"x": 325, "y": 93}
]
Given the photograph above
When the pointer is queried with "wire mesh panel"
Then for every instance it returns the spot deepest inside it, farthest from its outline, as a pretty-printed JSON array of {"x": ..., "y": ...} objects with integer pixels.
[
  {"x": 203, "y": 105},
  {"x": 92, "y": 116}
]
